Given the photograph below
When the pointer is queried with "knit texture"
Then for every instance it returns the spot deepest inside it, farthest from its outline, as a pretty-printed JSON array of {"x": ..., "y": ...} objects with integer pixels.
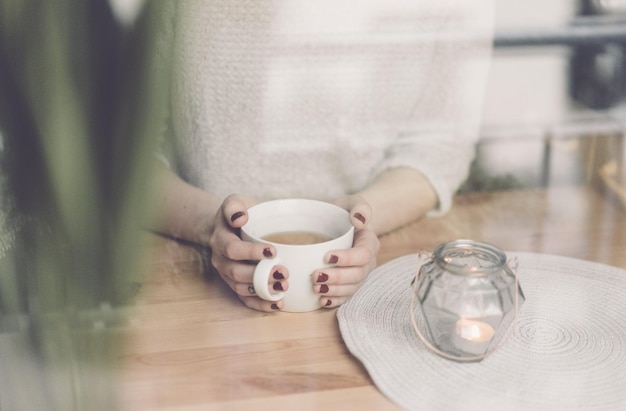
[
  {"x": 298, "y": 98},
  {"x": 566, "y": 350}
]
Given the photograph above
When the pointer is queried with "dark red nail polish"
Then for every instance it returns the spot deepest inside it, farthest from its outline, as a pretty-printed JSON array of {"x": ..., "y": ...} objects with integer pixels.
[
  {"x": 267, "y": 252},
  {"x": 237, "y": 215},
  {"x": 278, "y": 275},
  {"x": 274, "y": 306},
  {"x": 328, "y": 303},
  {"x": 323, "y": 289},
  {"x": 278, "y": 287},
  {"x": 333, "y": 259},
  {"x": 322, "y": 278},
  {"x": 360, "y": 217}
]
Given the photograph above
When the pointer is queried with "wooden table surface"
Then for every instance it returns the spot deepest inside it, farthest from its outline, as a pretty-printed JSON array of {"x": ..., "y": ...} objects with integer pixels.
[{"x": 191, "y": 345}]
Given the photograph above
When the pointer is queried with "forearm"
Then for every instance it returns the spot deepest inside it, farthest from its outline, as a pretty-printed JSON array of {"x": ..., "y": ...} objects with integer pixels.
[
  {"x": 185, "y": 211},
  {"x": 398, "y": 197}
]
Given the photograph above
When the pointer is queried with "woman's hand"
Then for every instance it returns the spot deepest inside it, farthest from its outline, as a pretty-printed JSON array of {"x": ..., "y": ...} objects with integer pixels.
[
  {"x": 336, "y": 284},
  {"x": 235, "y": 259}
]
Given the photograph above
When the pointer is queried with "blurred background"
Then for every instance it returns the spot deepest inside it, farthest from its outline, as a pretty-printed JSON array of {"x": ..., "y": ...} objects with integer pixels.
[
  {"x": 79, "y": 121},
  {"x": 555, "y": 103}
]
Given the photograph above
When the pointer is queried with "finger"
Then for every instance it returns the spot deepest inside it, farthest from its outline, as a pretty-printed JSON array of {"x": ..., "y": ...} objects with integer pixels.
[
  {"x": 261, "y": 305},
  {"x": 364, "y": 251},
  {"x": 226, "y": 241},
  {"x": 332, "y": 302},
  {"x": 278, "y": 282},
  {"x": 343, "y": 275},
  {"x": 360, "y": 215},
  {"x": 274, "y": 287},
  {"x": 247, "y": 289},
  {"x": 240, "y": 279},
  {"x": 239, "y": 250},
  {"x": 233, "y": 271},
  {"x": 280, "y": 272},
  {"x": 336, "y": 290},
  {"x": 235, "y": 209},
  {"x": 359, "y": 209},
  {"x": 227, "y": 244}
]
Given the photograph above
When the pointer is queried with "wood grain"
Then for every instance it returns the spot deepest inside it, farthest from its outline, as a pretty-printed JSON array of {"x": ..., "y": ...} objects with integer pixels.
[{"x": 191, "y": 345}]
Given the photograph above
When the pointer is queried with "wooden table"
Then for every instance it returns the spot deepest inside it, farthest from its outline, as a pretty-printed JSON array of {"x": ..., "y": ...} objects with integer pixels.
[{"x": 191, "y": 345}]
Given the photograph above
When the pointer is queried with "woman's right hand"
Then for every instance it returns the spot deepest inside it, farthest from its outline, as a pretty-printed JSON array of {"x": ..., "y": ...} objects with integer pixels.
[{"x": 235, "y": 259}]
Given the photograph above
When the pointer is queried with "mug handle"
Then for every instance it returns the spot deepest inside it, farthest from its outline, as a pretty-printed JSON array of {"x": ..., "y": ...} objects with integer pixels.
[{"x": 261, "y": 279}]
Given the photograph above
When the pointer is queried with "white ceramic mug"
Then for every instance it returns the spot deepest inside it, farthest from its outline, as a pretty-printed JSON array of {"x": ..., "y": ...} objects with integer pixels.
[{"x": 296, "y": 215}]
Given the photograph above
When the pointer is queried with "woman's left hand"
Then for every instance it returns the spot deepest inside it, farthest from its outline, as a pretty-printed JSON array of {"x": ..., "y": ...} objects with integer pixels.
[{"x": 336, "y": 284}]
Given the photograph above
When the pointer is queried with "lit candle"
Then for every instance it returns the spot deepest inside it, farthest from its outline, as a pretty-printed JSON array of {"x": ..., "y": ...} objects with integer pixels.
[
  {"x": 473, "y": 336},
  {"x": 473, "y": 330}
]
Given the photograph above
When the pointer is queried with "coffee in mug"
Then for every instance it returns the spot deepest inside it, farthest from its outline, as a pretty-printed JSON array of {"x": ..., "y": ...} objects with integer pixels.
[
  {"x": 297, "y": 237},
  {"x": 302, "y": 232}
]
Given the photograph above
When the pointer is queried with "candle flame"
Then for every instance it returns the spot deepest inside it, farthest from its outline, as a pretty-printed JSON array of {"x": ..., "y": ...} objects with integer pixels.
[{"x": 473, "y": 330}]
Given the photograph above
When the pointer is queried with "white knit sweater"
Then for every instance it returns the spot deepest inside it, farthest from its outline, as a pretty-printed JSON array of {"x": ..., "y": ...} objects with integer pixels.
[{"x": 314, "y": 98}]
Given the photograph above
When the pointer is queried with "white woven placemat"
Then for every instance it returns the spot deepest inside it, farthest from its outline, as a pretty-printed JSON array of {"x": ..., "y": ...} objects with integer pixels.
[{"x": 567, "y": 352}]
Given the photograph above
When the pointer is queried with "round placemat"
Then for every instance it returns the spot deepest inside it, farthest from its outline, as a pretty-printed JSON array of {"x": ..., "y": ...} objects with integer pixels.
[{"x": 567, "y": 350}]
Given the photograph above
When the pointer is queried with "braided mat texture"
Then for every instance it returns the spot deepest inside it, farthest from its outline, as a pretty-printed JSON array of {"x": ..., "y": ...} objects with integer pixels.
[{"x": 567, "y": 350}]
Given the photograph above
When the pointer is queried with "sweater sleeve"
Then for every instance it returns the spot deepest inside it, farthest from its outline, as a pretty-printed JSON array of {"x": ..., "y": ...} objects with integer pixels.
[{"x": 443, "y": 129}]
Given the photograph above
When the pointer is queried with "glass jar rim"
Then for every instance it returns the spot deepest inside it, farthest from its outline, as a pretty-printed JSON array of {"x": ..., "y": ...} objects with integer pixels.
[{"x": 498, "y": 258}]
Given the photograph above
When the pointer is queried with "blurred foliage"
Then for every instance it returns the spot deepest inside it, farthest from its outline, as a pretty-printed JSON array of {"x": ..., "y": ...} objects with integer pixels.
[{"x": 81, "y": 106}]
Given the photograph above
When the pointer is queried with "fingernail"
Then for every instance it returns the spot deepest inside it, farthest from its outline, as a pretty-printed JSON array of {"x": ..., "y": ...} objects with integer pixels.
[
  {"x": 360, "y": 217},
  {"x": 274, "y": 306},
  {"x": 328, "y": 303},
  {"x": 267, "y": 252},
  {"x": 237, "y": 215},
  {"x": 322, "y": 278},
  {"x": 278, "y": 287},
  {"x": 278, "y": 275},
  {"x": 323, "y": 289},
  {"x": 333, "y": 259}
]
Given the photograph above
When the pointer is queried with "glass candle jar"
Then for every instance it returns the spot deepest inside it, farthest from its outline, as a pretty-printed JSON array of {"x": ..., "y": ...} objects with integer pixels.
[{"x": 468, "y": 296}]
